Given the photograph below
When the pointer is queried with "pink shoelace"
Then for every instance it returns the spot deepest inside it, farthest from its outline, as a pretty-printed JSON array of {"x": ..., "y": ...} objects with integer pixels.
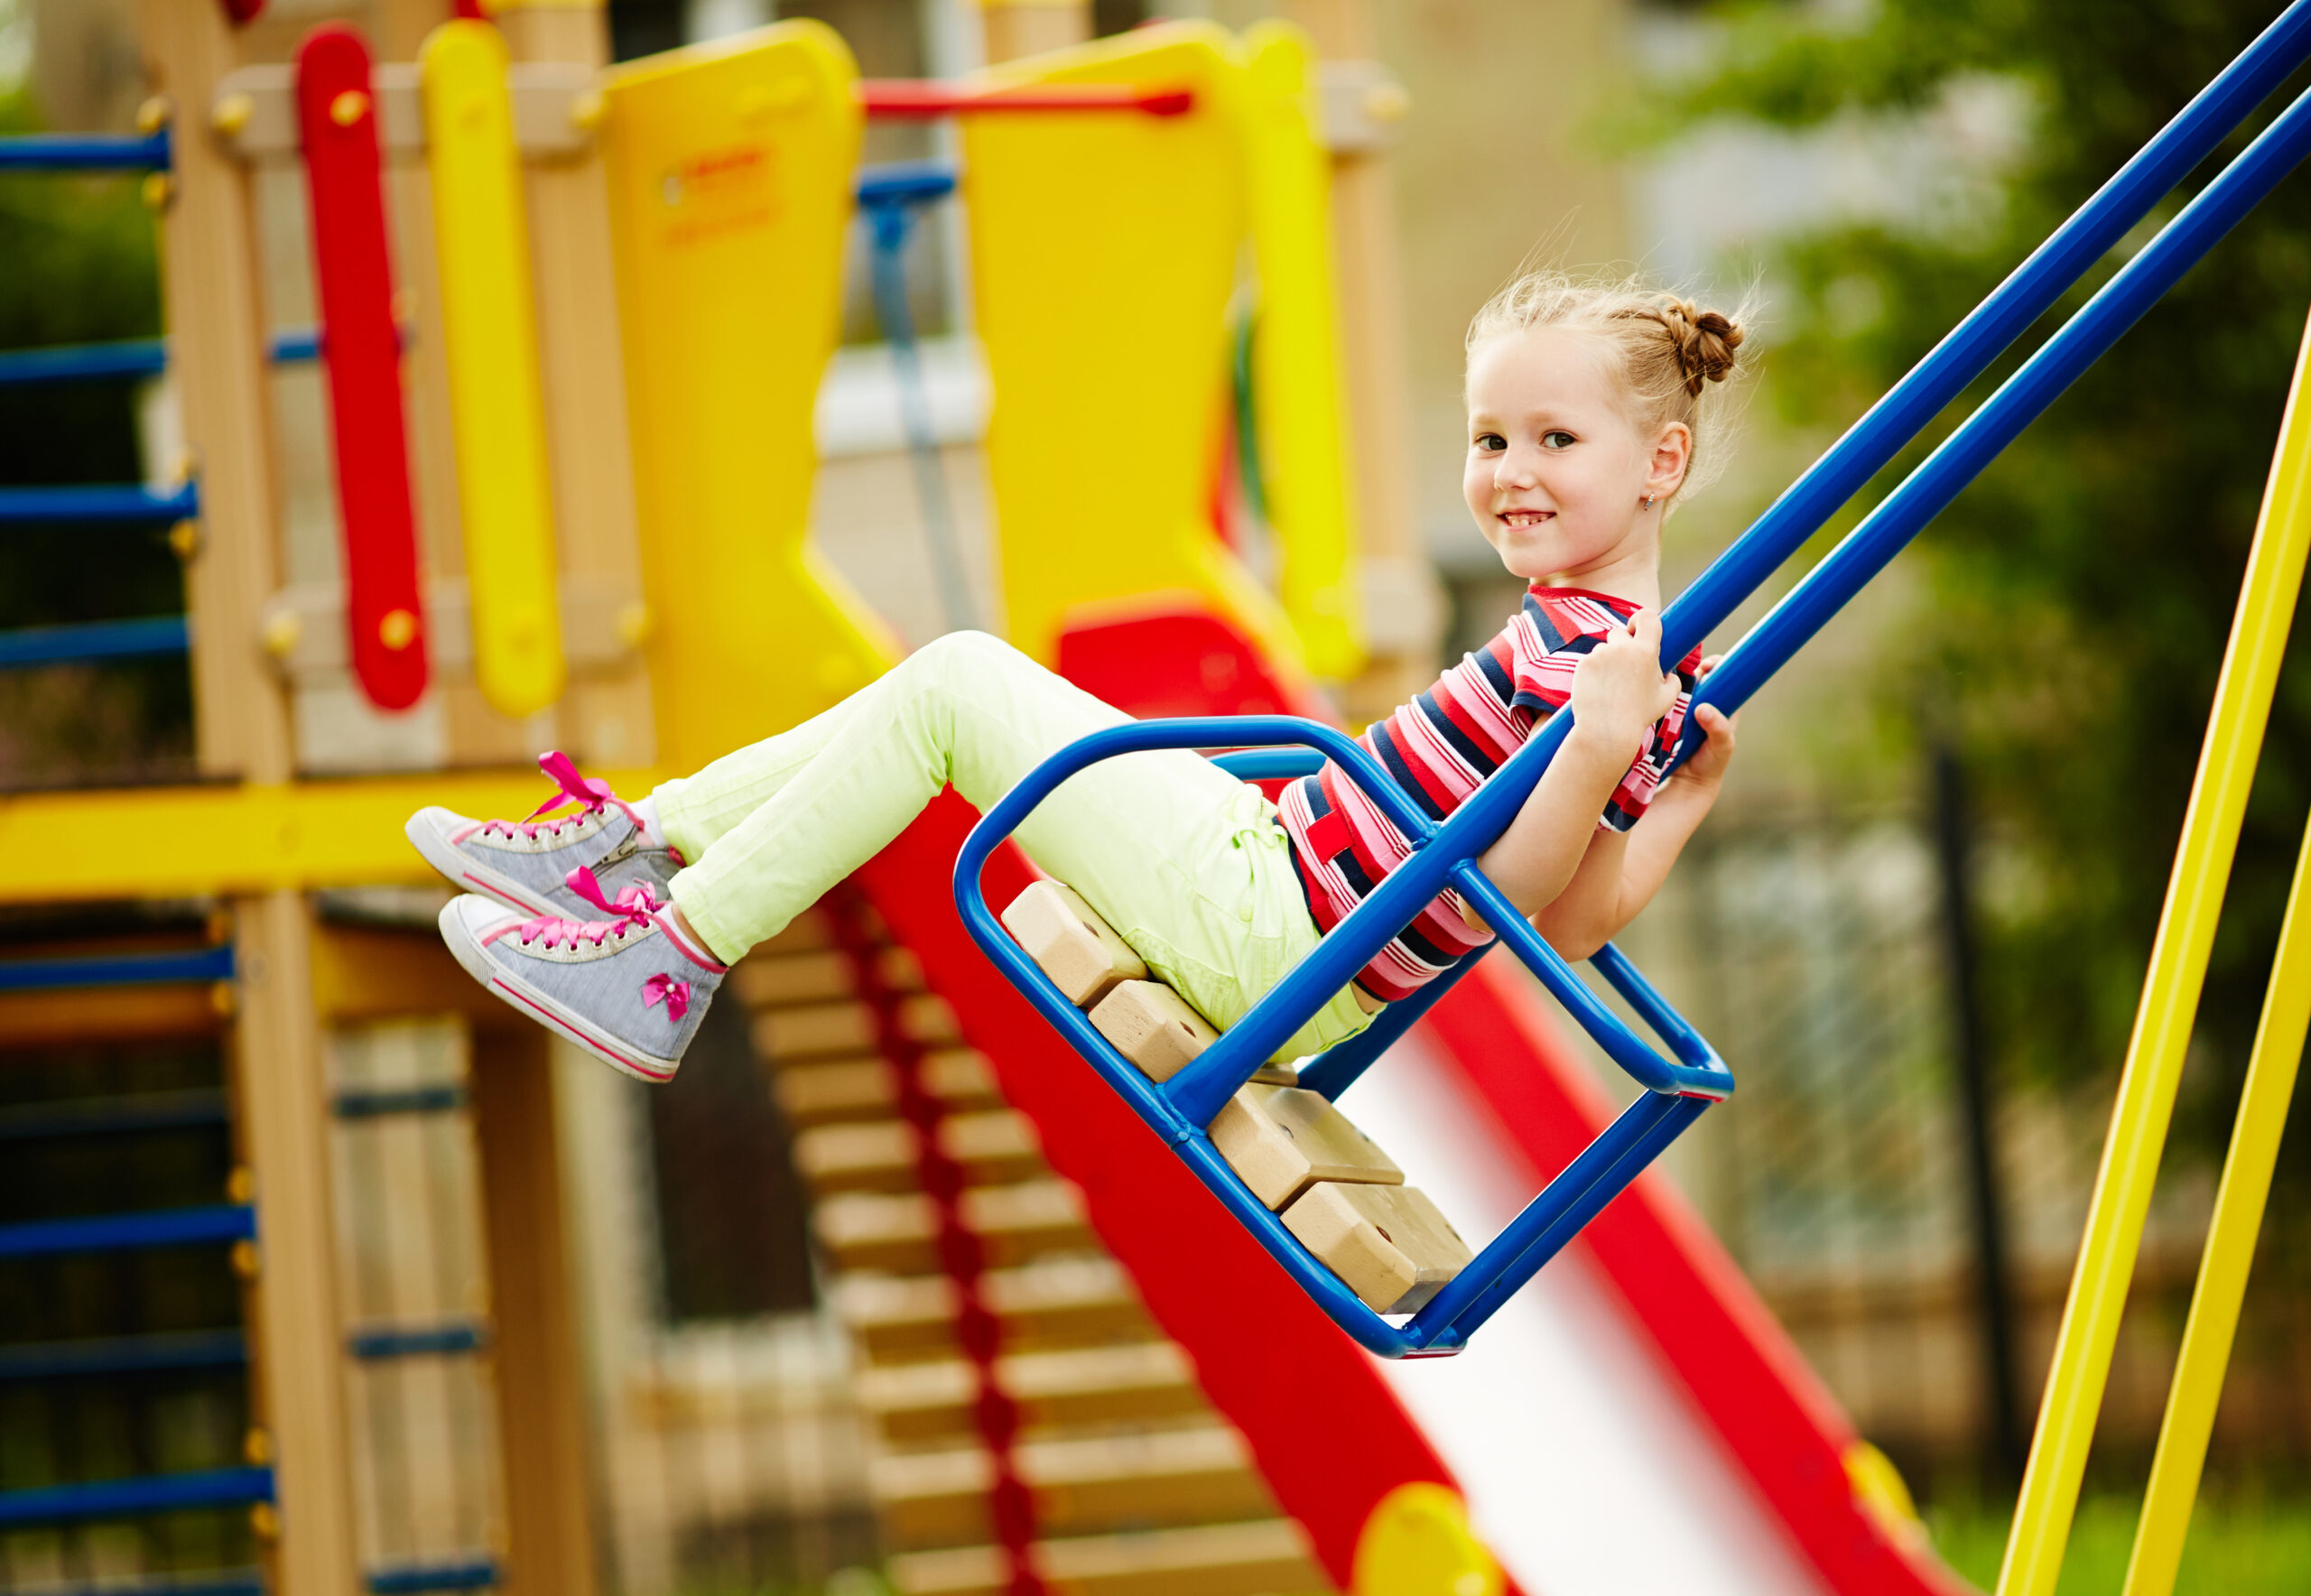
[
  {"x": 591, "y": 792},
  {"x": 634, "y": 907}
]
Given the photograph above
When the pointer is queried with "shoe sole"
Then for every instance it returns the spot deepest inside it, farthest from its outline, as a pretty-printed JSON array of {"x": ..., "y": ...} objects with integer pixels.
[
  {"x": 524, "y": 999},
  {"x": 469, "y": 876}
]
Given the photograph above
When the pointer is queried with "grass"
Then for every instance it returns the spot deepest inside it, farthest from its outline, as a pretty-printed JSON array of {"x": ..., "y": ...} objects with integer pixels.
[{"x": 2249, "y": 1545}]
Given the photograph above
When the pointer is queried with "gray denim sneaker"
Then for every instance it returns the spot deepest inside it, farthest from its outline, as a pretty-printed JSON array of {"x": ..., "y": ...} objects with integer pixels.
[
  {"x": 527, "y": 863},
  {"x": 628, "y": 988}
]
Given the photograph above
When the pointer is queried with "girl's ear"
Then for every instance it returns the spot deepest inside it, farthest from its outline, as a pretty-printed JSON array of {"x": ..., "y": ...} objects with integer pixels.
[{"x": 1673, "y": 455}]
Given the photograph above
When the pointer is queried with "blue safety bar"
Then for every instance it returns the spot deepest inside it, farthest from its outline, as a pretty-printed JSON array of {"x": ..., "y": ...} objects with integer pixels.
[
  {"x": 365, "y": 1104},
  {"x": 131, "y": 1498},
  {"x": 1443, "y": 855},
  {"x": 235, "y": 1581},
  {"x": 128, "y": 358},
  {"x": 124, "y": 1354},
  {"x": 469, "y": 1573},
  {"x": 115, "y": 1115},
  {"x": 120, "y": 507},
  {"x": 1678, "y": 1086},
  {"x": 380, "y": 1342},
  {"x": 94, "y": 640},
  {"x": 85, "y": 152},
  {"x": 116, "y": 969},
  {"x": 122, "y": 1233}
]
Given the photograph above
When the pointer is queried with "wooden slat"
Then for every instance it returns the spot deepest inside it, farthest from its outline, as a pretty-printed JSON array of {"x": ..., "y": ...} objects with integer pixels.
[
  {"x": 993, "y": 1148},
  {"x": 1265, "y": 1557},
  {"x": 1081, "y": 1484},
  {"x": 1053, "y": 1303},
  {"x": 863, "y": 1231},
  {"x": 1151, "y": 1381}
]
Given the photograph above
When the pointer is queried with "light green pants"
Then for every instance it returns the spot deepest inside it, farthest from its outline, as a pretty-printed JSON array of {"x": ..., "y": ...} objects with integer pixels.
[{"x": 1185, "y": 861}]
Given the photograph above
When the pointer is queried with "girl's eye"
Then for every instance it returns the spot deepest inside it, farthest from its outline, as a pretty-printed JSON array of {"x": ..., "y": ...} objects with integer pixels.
[
  {"x": 1556, "y": 439},
  {"x": 1491, "y": 442}
]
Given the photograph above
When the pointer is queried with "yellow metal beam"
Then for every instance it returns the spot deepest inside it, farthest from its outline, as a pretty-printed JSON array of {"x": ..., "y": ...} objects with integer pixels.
[
  {"x": 2229, "y": 1250},
  {"x": 190, "y": 842},
  {"x": 2170, "y": 998}
]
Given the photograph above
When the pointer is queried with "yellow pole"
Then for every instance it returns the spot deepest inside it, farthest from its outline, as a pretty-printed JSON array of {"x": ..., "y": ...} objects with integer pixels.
[
  {"x": 2229, "y": 1250},
  {"x": 2170, "y": 995}
]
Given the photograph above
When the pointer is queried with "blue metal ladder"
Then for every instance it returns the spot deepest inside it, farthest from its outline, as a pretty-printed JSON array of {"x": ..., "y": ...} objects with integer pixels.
[{"x": 1677, "y": 1089}]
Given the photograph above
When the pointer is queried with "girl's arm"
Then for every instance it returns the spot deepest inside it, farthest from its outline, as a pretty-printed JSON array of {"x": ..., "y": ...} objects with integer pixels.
[
  {"x": 1619, "y": 691},
  {"x": 1622, "y": 871}
]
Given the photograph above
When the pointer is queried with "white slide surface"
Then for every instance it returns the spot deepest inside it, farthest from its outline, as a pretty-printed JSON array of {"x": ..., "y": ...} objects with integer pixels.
[{"x": 1585, "y": 1468}]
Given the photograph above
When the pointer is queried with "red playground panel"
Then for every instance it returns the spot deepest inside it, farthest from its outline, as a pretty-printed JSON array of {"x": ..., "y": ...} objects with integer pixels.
[{"x": 336, "y": 114}]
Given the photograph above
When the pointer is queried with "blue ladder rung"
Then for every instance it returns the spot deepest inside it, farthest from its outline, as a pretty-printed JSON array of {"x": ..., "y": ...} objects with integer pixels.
[
  {"x": 85, "y": 152},
  {"x": 134, "y": 1497},
  {"x": 231, "y": 1581},
  {"x": 123, "y": 1233},
  {"x": 129, "y": 1116},
  {"x": 366, "y": 1103},
  {"x": 103, "y": 506},
  {"x": 89, "y": 641},
  {"x": 129, "y": 357},
  {"x": 1269, "y": 764},
  {"x": 118, "y": 1355},
  {"x": 469, "y": 1573},
  {"x": 115, "y": 969},
  {"x": 379, "y": 1344}
]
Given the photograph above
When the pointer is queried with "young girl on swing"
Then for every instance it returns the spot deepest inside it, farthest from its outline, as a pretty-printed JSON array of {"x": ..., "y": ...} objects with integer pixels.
[{"x": 613, "y": 924}]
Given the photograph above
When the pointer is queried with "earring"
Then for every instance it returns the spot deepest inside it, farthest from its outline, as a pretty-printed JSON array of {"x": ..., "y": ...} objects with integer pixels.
[{"x": 1646, "y": 503}]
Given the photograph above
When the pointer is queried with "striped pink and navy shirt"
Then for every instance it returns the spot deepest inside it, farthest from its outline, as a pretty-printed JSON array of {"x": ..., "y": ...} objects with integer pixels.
[{"x": 1439, "y": 747}]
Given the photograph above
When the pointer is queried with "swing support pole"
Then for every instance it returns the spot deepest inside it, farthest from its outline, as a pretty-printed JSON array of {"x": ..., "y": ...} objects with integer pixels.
[{"x": 2162, "y": 1033}]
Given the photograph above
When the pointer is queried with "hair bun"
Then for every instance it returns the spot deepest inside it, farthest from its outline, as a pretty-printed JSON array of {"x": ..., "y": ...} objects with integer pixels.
[{"x": 1704, "y": 339}]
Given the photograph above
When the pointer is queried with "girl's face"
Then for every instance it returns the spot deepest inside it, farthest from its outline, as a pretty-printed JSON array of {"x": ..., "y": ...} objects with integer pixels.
[{"x": 1556, "y": 466}]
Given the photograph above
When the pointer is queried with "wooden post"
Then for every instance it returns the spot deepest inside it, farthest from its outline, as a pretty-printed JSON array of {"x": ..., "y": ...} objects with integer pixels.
[
  {"x": 281, "y": 1102},
  {"x": 608, "y": 718},
  {"x": 211, "y": 295},
  {"x": 1371, "y": 293},
  {"x": 535, "y": 1360},
  {"x": 1014, "y": 28}
]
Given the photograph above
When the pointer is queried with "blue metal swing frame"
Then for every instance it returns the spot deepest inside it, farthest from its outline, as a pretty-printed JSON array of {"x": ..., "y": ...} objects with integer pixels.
[{"x": 1675, "y": 1089}]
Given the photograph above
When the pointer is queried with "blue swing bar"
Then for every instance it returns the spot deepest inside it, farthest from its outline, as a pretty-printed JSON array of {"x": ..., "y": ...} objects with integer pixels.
[
  {"x": 94, "y": 640},
  {"x": 85, "y": 152},
  {"x": 1444, "y": 854}
]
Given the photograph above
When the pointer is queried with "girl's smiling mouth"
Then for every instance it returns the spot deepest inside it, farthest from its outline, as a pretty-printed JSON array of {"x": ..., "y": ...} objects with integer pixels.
[{"x": 1525, "y": 517}]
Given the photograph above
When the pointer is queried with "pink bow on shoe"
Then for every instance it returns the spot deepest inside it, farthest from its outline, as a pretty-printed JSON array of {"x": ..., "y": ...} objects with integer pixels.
[
  {"x": 664, "y": 988},
  {"x": 636, "y": 903},
  {"x": 590, "y": 791}
]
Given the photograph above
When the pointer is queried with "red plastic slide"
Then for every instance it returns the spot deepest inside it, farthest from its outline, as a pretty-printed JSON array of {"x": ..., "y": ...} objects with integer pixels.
[{"x": 1633, "y": 1422}]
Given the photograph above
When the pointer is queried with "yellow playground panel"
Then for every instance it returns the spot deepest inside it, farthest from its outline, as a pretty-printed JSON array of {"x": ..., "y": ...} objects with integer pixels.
[{"x": 641, "y": 268}]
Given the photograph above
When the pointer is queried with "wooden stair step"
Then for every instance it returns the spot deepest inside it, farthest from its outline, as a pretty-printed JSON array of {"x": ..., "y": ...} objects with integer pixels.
[
  {"x": 1263, "y": 1557},
  {"x": 783, "y": 980},
  {"x": 818, "y": 1030},
  {"x": 1051, "y": 1303},
  {"x": 867, "y": 1230},
  {"x": 1084, "y": 1386},
  {"x": 1147, "y": 1479},
  {"x": 860, "y": 1089},
  {"x": 996, "y": 1146}
]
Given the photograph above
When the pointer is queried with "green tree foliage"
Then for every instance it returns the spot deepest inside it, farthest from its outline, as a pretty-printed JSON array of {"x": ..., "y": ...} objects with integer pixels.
[
  {"x": 2079, "y": 594},
  {"x": 76, "y": 265}
]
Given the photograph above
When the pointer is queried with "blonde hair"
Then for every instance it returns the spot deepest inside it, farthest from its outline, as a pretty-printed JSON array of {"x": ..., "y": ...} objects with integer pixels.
[{"x": 1669, "y": 348}]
